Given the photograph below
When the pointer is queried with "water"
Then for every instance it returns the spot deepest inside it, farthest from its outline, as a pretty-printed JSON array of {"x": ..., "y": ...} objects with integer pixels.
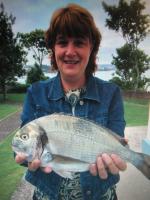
[{"x": 104, "y": 75}]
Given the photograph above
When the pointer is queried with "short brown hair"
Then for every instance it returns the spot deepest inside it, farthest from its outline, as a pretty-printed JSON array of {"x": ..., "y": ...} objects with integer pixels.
[{"x": 74, "y": 21}]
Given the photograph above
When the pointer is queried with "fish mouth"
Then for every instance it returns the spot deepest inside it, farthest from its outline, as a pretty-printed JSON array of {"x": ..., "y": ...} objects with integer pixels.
[
  {"x": 16, "y": 143},
  {"x": 18, "y": 146}
]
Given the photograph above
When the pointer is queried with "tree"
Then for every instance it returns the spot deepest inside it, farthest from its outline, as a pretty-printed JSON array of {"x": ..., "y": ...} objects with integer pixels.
[
  {"x": 128, "y": 19},
  {"x": 124, "y": 62},
  {"x": 12, "y": 55},
  {"x": 35, "y": 42},
  {"x": 35, "y": 74}
]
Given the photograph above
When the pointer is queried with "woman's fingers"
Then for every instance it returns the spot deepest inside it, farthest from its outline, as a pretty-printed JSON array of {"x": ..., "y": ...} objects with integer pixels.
[
  {"x": 101, "y": 168},
  {"x": 20, "y": 158},
  {"x": 104, "y": 163},
  {"x": 109, "y": 164},
  {"x": 46, "y": 169},
  {"x": 93, "y": 169},
  {"x": 121, "y": 164},
  {"x": 34, "y": 165}
]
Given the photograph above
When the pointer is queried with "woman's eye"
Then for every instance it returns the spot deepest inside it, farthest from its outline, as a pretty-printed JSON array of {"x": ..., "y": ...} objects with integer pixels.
[
  {"x": 24, "y": 137},
  {"x": 61, "y": 42},
  {"x": 79, "y": 43}
]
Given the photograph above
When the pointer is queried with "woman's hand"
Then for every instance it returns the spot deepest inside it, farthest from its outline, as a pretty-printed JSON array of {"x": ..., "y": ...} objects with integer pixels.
[
  {"x": 32, "y": 166},
  {"x": 104, "y": 163}
]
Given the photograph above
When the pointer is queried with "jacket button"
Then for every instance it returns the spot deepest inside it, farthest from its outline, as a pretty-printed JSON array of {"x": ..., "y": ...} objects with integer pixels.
[
  {"x": 88, "y": 192},
  {"x": 81, "y": 103}
]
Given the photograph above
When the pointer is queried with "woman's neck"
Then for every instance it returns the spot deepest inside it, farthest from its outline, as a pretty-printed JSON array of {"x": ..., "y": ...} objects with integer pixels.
[{"x": 72, "y": 84}]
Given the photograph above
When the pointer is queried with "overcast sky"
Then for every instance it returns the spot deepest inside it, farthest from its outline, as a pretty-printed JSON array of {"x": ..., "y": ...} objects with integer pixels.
[{"x": 36, "y": 14}]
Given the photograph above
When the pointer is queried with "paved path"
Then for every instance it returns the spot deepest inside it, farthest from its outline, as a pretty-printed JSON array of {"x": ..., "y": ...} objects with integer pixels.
[
  {"x": 133, "y": 185},
  {"x": 23, "y": 192},
  {"x": 9, "y": 124}
]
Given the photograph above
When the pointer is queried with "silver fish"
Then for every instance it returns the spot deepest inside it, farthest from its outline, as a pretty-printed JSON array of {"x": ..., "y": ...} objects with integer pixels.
[{"x": 69, "y": 144}]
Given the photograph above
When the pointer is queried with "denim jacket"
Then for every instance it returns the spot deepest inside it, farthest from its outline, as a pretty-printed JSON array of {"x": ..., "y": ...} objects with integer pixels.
[{"x": 101, "y": 103}]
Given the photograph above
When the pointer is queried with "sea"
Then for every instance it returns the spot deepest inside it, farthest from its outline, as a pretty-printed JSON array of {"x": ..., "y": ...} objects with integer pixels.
[
  {"x": 105, "y": 75},
  {"x": 102, "y": 74}
]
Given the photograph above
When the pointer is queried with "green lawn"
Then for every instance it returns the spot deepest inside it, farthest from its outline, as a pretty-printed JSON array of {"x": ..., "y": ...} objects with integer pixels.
[
  {"x": 136, "y": 112},
  {"x": 12, "y": 104},
  {"x": 10, "y": 172},
  {"x": 13, "y": 98},
  {"x": 7, "y": 109}
]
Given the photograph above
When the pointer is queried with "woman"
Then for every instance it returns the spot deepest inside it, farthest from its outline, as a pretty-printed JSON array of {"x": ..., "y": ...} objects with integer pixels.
[{"x": 74, "y": 40}]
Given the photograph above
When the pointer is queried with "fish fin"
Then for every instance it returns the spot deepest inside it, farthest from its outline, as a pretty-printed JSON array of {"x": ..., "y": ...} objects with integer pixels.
[
  {"x": 123, "y": 142},
  {"x": 117, "y": 137},
  {"x": 68, "y": 164},
  {"x": 142, "y": 163},
  {"x": 46, "y": 157},
  {"x": 65, "y": 174},
  {"x": 66, "y": 167}
]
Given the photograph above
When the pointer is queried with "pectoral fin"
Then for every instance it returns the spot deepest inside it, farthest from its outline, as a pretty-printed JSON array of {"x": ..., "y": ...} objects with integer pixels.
[
  {"x": 46, "y": 157},
  {"x": 66, "y": 167}
]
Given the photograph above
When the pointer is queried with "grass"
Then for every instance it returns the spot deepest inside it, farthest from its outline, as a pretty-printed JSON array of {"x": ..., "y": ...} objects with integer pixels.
[
  {"x": 7, "y": 109},
  {"x": 12, "y": 104},
  {"x": 136, "y": 101},
  {"x": 10, "y": 173},
  {"x": 13, "y": 98},
  {"x": 136, "y": 112}
]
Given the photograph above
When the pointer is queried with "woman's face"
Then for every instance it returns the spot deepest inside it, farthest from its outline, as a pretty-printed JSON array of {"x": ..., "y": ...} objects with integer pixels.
[{"x": 72, "y": 56}]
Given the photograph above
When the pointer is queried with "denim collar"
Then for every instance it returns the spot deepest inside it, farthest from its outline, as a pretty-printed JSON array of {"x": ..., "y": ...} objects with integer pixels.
[
  {"x": 55, "y": 88},
  {"x": 92, "y": 90},
  {"x": 56, "y": 91}
]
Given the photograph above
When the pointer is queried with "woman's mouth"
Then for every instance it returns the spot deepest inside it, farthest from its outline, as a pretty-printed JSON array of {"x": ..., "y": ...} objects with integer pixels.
[{"x": 71, "y": 62}]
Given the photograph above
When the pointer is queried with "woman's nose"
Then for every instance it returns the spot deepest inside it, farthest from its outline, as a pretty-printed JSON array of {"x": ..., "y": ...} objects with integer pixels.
[{"x": 70, "y": 50}]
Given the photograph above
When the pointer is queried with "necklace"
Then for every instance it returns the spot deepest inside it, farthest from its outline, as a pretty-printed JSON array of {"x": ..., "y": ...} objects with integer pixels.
[{"x": 73, "y": 96}]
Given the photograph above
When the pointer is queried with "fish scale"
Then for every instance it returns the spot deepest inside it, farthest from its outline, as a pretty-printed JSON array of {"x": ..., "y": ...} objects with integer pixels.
[
  {"x": 79, "y": 136},
  {"x": 69, "y": 144}
]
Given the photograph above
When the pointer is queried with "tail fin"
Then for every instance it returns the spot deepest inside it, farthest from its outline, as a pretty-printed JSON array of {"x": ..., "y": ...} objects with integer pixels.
[{"x": 142, "y": 163}]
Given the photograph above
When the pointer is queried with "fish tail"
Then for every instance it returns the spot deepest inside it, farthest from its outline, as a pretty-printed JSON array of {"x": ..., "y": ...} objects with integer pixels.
[{"x": 142, "y": 162}]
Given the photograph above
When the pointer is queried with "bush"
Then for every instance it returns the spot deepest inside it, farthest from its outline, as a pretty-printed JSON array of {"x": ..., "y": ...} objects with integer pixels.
[
  {"x": 18, "y": 88},
  {"x": 35, "y": 74},
  {"x": 127, "y": 85}
]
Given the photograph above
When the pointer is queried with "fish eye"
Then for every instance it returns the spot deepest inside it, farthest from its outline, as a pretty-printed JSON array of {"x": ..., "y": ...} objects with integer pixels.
[{"x": 24, "y": 137}]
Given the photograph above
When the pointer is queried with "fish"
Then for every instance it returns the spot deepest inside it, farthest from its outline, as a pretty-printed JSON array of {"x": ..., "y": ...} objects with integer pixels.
[{"x": 69, "y": 144}]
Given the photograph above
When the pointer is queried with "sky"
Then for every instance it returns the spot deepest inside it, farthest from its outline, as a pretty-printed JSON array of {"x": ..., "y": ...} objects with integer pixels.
[{"x": 36, "y": 14}]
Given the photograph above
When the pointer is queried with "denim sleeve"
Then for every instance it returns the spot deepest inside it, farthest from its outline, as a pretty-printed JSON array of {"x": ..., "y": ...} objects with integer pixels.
[
  {"x": 116, "y": 120},
  {"x": 28, "y": 113}
]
